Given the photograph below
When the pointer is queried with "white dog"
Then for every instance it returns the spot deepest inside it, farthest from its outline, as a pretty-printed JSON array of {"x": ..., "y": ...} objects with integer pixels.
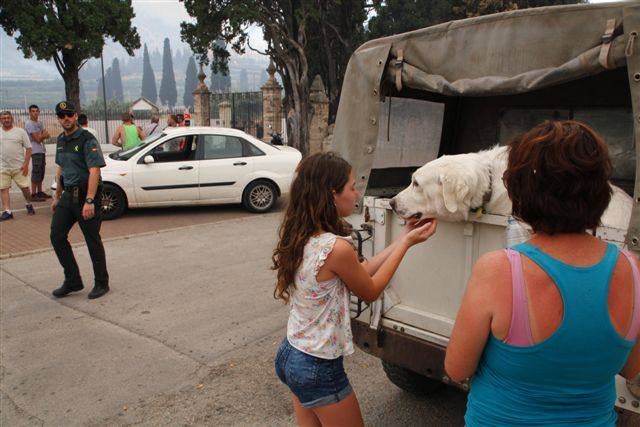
[{"x": 453, "y": 187}]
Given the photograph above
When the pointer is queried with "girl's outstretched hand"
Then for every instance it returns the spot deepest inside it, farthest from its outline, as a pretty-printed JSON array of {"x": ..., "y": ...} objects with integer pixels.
[{"x": 419, "y": 231}]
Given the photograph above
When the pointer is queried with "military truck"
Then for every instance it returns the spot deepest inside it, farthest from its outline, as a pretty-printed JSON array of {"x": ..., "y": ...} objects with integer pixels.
[{"x": 460, "y": 87}]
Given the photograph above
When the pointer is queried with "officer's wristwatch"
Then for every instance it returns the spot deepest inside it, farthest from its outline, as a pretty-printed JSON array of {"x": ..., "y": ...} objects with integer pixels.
[{"x": 88, "y": 201}]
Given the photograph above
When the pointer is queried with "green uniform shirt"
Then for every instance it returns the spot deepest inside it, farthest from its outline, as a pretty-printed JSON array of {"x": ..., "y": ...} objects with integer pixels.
[{"x": 75, "y": 154}]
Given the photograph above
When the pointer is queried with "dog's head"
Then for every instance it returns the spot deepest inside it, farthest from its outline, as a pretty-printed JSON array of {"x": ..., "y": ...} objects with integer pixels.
[{"x": 443, "y": 189}]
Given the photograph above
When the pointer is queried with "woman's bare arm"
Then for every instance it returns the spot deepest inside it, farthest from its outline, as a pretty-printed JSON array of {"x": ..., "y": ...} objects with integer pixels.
[{"x": 473, "y": 322}]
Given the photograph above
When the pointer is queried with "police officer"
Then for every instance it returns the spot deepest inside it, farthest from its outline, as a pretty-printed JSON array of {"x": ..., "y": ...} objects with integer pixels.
[{"x": 77, "y": 199}]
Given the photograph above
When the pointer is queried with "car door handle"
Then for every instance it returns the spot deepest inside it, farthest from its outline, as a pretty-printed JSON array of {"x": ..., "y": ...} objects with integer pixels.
[
  {"x": 185, "y": 168},
  {"x": 240, "y": 164}
]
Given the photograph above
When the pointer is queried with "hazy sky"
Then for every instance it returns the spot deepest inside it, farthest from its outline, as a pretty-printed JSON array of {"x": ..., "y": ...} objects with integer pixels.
[{"x": 154, "y": 20}]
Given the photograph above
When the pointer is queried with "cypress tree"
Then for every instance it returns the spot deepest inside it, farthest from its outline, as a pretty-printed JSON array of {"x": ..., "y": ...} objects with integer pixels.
[
  {"x": 168, "y": 91},
  {"x": 149, "y": 90},
  {"x": 190, "y": 83},
  {"x": 116, "y": 81},
  {"x": 244, "y": 80},
  {"x": 220, "y": 82}
]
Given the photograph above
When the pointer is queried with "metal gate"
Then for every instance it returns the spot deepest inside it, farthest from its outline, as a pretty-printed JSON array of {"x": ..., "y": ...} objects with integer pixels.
[{"x": 246, "y": 111}]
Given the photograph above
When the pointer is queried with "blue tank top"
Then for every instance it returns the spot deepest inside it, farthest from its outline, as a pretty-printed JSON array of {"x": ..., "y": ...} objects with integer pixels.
[{"x": 567, "y": 379}]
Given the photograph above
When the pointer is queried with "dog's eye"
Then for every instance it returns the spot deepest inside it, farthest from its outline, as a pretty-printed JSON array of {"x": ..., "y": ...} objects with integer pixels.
[{"x": 415, "y": 183}]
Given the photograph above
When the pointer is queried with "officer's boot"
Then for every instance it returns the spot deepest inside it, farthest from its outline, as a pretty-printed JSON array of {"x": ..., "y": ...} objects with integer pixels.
[
  {"x": 67, "y": 288},
  {"x": 98, "y": 291}
]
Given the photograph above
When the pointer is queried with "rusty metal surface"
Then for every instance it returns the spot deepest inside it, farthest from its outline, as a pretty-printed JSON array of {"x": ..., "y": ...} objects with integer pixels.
[{"x": 412, "y": 353}]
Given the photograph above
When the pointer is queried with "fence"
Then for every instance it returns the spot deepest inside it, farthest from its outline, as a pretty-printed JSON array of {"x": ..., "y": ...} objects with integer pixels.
[
  {"x": 245, "y": 114},
  {"x": 96, "y": 120},
  {"x": 246, "y": 111}
]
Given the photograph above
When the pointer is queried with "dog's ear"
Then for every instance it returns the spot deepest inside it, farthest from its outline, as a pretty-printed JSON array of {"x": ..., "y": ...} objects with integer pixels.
[{"x": 454, "y": 190}]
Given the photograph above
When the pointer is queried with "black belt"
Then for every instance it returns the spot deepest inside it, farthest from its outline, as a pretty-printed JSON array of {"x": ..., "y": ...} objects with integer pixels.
[{"x": 76, "y": 190}]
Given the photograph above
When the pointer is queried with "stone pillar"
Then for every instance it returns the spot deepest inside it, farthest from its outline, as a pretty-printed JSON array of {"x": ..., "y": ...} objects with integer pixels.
[
  {"x": 271, "y": 105},
  {"x": 201, "y": 102},
  {"x": 224, "y": 109},
  {"x": 318, "y": 129}
]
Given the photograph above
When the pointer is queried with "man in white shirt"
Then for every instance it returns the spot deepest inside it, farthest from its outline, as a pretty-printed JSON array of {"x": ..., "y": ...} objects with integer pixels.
[
  {"x": 84, "y": 123},
  {"x": 153, "y": 127},
  {"x": 15, "y": 155}
]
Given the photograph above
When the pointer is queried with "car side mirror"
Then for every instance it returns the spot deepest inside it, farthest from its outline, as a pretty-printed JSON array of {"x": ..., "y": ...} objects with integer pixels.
[{"x": 148, "y": 159}]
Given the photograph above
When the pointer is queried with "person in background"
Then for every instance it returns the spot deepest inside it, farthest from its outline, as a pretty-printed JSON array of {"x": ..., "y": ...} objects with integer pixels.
[
  {"x": 180, "y": 119},
  {"x": 128, "y": 135},
  {"x": 15, "y": 154},
  {"x": 545, "y": 326},
  {"x": 37, "y": 135},
  {"x": 172, "y": 121},
  {"x": 84, "y": 123},
  {"x": 153, "y": 127}
]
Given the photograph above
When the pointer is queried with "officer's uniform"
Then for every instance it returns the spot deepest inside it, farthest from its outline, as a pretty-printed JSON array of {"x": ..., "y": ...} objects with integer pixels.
[{"x": 75, "y": 154}]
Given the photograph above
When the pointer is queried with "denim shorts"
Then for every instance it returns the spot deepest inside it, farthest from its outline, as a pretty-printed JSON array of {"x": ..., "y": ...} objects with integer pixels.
[{"x": 314, "y": 381}]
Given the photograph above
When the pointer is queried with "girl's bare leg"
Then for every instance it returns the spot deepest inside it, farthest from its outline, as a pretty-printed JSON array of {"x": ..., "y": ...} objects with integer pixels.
[
  {"x": 304, "y": 416},
  {"x": 344, "y": 413}
]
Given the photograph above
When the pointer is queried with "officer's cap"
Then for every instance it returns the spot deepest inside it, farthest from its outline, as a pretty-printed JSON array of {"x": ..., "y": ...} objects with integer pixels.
[{"x": 65, "y": 107}]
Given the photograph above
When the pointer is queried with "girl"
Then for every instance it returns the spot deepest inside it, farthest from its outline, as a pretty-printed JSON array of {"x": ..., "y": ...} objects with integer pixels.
[{"x": 316, "y": 267}]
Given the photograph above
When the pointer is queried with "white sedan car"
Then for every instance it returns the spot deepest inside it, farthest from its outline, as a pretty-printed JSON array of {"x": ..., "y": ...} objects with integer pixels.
[{"x": 197, "y": 166}]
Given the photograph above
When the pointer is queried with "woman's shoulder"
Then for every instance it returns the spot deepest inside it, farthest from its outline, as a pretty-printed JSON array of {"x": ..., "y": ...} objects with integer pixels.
[{"x": 490, "y": 267}]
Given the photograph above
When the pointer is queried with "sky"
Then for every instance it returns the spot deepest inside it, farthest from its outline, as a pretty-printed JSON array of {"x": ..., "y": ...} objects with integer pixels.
[{"x": 154, "y": 20}]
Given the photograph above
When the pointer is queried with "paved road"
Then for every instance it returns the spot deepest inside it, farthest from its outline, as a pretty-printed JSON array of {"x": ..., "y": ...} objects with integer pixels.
[
  {"x": 28, "y": 234},
  {"x": 187, "y": 336}
]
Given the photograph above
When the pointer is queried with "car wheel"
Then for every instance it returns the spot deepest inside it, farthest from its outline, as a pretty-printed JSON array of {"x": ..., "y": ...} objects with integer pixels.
[
  {"x": 410, "y": 381},
  {"x": 114, "y": 202},
  {"x": 259, "y": 196}
]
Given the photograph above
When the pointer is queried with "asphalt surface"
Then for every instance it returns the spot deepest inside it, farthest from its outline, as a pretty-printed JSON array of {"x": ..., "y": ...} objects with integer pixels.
[{"x": 186, "y": 336}]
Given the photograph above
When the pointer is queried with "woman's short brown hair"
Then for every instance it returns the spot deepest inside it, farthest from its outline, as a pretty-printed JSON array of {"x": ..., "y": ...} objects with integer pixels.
[{"x": 558, "y": 177}]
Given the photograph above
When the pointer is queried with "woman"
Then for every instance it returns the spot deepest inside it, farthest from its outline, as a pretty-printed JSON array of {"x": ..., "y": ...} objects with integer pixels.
[
  {"x": 543, "y": 328},
  {"x": 316, "y": 267}
]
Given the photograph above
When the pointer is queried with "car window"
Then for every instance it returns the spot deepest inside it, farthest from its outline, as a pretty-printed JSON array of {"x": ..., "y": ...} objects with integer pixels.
[
  {"x": 253, "y": 150},
  {"x": 221, "y": 147},
  {"x": 126, "y": 155},
  {"x": 176, "y": 149}
]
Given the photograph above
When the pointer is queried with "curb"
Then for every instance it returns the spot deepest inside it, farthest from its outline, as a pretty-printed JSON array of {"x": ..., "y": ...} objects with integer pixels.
[{"x": 129, "y": 236}]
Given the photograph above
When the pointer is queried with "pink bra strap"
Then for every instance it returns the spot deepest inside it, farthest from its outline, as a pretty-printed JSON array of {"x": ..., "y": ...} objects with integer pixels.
[
  {"x": 635, "y": 318},
  {"x": 520, "y": 329}
]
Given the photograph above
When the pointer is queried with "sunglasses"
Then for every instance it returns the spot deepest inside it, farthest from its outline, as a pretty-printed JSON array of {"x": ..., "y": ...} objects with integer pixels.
[{"x": 63, "y": 115}]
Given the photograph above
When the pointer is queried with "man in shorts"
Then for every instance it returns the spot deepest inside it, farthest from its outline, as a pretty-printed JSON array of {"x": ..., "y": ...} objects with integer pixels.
[
  {"x": 37, "y": 135},
  {"x": 15, "y": 155}
]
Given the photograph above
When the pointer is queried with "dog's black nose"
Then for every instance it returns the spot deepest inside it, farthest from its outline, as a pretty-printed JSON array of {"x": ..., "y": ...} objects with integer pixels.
[{"x": 392, "y": 203}]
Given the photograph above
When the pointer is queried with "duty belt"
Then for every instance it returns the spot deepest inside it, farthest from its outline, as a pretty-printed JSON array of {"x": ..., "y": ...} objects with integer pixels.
[{"x": 75, "y": 190}]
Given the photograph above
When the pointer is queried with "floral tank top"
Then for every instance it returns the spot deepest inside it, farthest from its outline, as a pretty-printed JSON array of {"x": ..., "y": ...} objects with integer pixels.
[{"x": 319, "y": 322}]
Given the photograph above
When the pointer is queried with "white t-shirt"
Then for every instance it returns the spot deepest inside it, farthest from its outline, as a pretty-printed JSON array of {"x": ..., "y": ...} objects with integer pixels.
[
  {"x": 92, "y": 131},
  {"x": 151, "y": 129},
  {"x": 13, "y": 144},
  {"x": 319, "y": 322}
]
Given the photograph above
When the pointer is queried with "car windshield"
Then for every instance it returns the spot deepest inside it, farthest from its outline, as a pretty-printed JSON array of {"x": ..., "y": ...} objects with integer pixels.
[{"x": 126, "y": 155}]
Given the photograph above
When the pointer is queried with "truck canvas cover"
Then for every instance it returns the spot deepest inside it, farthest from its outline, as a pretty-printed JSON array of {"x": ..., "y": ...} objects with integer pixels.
[{"x": 503, "y": 54}]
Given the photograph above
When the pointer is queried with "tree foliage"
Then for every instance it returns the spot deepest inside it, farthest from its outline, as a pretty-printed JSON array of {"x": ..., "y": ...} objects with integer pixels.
[
  {"x": 399, "y": 16},
  {"x": 220, "y": 79},
  {"x": 149, "y": 90},
  {"x": 168, "y": 91},
  {"x": 68, "y": 32},
  {"x": 190, "y": 83},
  {"x": 297, "y": 33}
]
